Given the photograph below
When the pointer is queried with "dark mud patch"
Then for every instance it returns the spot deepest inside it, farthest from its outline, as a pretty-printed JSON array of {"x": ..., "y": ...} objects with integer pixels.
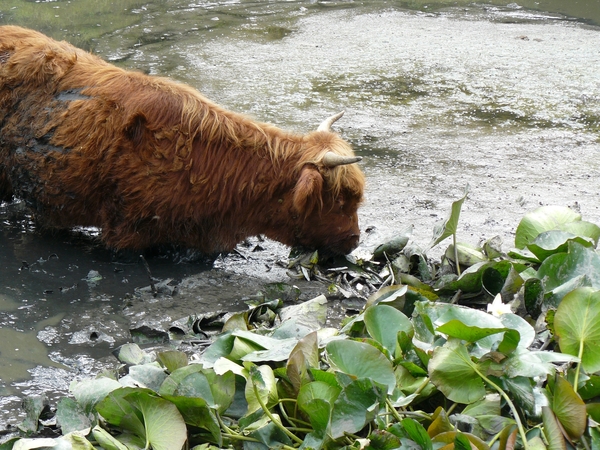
[{"x": 67, "y": 303}]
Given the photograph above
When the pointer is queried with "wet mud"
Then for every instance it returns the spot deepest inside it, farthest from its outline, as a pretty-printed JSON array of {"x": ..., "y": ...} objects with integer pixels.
[{"x": 501, "y": 98}]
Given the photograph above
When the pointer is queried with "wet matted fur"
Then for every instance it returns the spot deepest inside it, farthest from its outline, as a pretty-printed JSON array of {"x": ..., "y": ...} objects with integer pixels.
[{"x": 151, "y": 161}]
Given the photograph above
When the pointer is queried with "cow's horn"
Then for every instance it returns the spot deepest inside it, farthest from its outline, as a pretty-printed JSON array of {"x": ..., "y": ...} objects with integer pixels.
[
  {"x": 326, "y": 124},
  {"x": 331, "y": 159}
]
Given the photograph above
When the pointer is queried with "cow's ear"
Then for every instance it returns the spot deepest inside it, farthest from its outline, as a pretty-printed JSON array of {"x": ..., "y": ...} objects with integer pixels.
[{"x": 308, "y": 190}]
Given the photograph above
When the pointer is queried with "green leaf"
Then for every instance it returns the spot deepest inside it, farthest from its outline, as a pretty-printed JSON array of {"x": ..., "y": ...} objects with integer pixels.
[
  {"x": 357, "y": 405},
  {"x": 303, "y": 357},
  {"x": 299, "y": 320},
  {"x": 107, "y": 440},
  {"x": 469, "y": 281},
  {"x": 590, "y": 388},
  {"x": 533, "y": 294},
  {"x": 220, "y": 348},
  {"x": 579, "y": 265},
  {"x": 455, "y": 328},
  {"x": 316, "y": 399},
  {"x": 272, "y": 436},
  {"x": 487, "y": 406},
  {"x": 196, "y": 412},
  {"x": 542, "y": 219},
  {"x": 555, "y": 241},
  {"x": 584, "y": 229},
  {"x": 33, "y": 405},
  {"x": 149, "y": 375},
  {"x": 449, "y": 226},
  {"x": 468, "y": 254},
  {"x": 394, "y": 245},
  {"x": 74, "y": 440},
  {"x": 260, "y": 384},
  {"x": 361, "y": 361},
  {"x": 391, "y": 295},
  {"x": 569, "y": 408},
  {"x": 384, "y": 322},
  {"x": 525, "y": 363},
  {"x": 439, "y": 423},
  {"x": 449, "y": 438},
  {"x": 593, "y": 409},
  {"x": 417, "y": 433},
  {"x": 130, "y": 354},
  {"x": 461, "y": 442},
  {"x": 552, "y": 430},
  {"x": 577, "y": 326},
  {"x": 119, "y": 411},
  {"x": 70, "y": 416},
  {"x": 164, "y": 427},
  {"x": 195, "y": 381},
  {"x": 453, "y": 373},
  {"x": 172, "y": 359},
  {"x": 89, "y": 393},
  {"x": 521, "y": 390},
  {"x": 526, "y": 331}
]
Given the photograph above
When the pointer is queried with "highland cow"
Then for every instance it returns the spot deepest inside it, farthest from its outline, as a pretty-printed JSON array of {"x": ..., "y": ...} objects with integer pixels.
[{"x": 151, "y": 161}]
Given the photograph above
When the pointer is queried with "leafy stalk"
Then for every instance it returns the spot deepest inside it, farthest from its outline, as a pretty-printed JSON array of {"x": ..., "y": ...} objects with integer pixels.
[
  {"x": 510, "y": 405},
  {"x": 578, "y": 368},
  {"x": 456, "y": 253},
  {"x": 262, "y": 404}
]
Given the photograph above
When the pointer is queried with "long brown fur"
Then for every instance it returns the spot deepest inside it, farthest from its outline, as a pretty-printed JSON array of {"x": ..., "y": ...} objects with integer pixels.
[{"x": 152, "y": 161}]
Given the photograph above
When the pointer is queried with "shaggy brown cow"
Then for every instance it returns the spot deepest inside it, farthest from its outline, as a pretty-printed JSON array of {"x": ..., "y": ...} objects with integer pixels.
[{"x": 152, "y": 161}]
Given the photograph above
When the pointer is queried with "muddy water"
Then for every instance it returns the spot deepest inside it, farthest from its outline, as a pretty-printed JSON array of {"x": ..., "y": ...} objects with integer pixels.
[{"x": 504, "y": 98}]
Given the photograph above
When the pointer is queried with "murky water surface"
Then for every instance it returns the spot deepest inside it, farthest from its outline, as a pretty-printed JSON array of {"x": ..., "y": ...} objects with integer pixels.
[{"x": 437, "y": 95}]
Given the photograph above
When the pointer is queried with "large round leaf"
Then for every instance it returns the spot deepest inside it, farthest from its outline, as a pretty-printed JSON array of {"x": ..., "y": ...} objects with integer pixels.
[
  {"x": 543, "y": 219},
  {"x": 563, "y": 272},
  {"x": 577, "y": 325},
  {"x": 453, "y": 373},
  {"x": 357, "y": 405},
  {"x": 164, "y": 426},
  {"x": 383, "y": 324},
  {"x": 362, "y": 361},
  {"x": 555, "y": 241}
]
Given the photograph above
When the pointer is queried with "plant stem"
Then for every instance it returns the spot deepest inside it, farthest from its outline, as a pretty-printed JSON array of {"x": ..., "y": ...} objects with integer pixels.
[
  {"x": 278, "y": 424},
  {"x": 239, "y": 437},
  {"x": 228, "y": 430},
  {"x": 510, "y": 404},
  {"x": 393, "y": 410},
  {"x": 422, "y": 386},
  {"x": 456, "y": 254},
  {"x": 578, "y": 368}
]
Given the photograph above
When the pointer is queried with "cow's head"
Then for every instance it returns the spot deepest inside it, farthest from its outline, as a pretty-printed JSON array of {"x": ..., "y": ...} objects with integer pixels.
[{"x": 327, "y": 193}]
